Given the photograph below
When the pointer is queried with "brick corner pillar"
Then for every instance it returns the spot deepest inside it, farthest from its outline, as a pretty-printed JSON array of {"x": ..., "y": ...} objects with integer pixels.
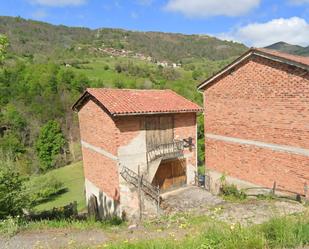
[{"x": 306, "y": 191}]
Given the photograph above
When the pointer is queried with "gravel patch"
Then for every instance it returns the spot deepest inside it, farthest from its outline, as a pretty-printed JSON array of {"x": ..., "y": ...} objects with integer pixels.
[
  {"x": 53, "y": 239},
  {"x": 251, "y": 211}
]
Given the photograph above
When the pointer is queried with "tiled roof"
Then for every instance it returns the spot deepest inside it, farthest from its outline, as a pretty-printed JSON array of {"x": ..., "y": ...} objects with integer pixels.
[
  {"x": 295, "y": 58},
  {"x": 298, "y": 61},
  {"x": 133, "y": 102}
]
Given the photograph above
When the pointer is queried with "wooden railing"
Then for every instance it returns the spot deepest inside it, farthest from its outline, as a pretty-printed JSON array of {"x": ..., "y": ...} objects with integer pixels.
[
  {"x": 166, "y": 151},
  {"x": 131, "y": 177}
]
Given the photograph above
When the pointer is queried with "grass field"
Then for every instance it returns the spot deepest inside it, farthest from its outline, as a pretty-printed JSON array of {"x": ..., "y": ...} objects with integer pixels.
[
  {"x": 72, "y": 177},
  {"x": 95, "y": 71}
]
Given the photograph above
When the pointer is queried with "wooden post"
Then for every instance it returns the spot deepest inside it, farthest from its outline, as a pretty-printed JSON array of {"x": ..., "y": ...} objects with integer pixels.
[
  {"x": 274, "y": 188},
  {"x": 158, "y": 200},
  {"x": 75, "y": 212},
  {"x": 140, "y": 179},
  {"x": 306, "y": 192}
]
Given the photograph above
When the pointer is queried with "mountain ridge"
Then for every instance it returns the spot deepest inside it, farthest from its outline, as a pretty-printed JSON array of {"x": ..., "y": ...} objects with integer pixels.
[
  {"x": 289, "y": 48},
  {"x": 35, "y": 37}
]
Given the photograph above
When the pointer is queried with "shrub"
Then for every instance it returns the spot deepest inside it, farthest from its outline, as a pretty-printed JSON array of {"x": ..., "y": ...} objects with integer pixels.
[
  {"x": 231, "y": 190},
  {"x": 10, "y": 226},
  {"x": 13, "y": 197},
  {"x": 119, "y": 84},
  {"x": 43, "y": 188},
  {"x": 118, "y": 68}
]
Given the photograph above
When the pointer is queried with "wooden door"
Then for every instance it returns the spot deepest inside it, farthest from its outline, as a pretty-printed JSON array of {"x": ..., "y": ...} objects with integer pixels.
[
  {"x": 171, "y": 174},
  {"x": 159, "y": 130}
]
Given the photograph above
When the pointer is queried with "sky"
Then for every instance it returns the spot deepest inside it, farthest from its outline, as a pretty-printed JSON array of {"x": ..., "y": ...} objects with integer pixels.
[{"x": 253, "y": 22}]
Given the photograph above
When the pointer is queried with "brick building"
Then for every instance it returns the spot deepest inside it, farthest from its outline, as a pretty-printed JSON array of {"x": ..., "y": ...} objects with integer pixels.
[
  {"x": 126, "y": 131},
  {"x": 257, "y": 120}
]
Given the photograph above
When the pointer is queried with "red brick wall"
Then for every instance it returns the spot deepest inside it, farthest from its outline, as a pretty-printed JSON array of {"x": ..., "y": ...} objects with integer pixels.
[
  {"x": 185, "y": 127},
  {"x": 129, "y": 127},
  {"x": 98, "y": 129},
  {"x": 102, "y": 172},
  {"x": 264, "y": 101}
]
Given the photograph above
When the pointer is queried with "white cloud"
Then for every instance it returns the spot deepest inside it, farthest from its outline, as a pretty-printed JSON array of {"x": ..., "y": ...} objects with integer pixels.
[
  {"x": 39, "y": 14},
  {"x": 299, "y": 2},
  {"x": 58, "y": 3},
  {"x": 293, "y": 30},
  {"x": 205, "y": 8}
]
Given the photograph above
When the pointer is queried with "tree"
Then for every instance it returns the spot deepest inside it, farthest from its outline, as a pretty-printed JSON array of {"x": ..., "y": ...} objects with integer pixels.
[
  {"x": 4, "y": 43},
  {"x": 49, "y": 145},
  {"x": 118, "y": 68},
  {"x": 11, "y": 144},
  {"x": 196, "y": 74},
  {"x": 13, "y": 197}
]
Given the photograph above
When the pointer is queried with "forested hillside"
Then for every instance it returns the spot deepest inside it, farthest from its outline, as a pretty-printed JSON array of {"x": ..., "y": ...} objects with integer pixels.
[
  {"x": 33, "y": 38},
  {"x": 47, "y": 67}
]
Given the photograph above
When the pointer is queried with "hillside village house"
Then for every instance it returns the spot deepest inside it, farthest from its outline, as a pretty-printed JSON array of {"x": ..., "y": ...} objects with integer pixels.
[
  {"x": 126, "y": 132},
  {"x": 257, "y": 121}
]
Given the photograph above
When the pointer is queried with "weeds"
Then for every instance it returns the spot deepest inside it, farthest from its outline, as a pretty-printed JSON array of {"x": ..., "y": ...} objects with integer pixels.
[
  {"x": 286, "y": 232},
  {"x": 231, "y": 192},
  {"x": 12, "y": 226}
]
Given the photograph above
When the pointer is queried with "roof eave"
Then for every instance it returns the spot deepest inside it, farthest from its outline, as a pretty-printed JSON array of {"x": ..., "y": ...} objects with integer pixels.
[
  {"x": 154, "y": 113},
  {"x": 78, "y": 103},
  {"x": 250, "y": 52}
]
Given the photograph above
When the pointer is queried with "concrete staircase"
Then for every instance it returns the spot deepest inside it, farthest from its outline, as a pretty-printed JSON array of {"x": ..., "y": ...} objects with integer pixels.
[
  {"x": 152, "y": 169},
  {"x": 134, "y": 179}
]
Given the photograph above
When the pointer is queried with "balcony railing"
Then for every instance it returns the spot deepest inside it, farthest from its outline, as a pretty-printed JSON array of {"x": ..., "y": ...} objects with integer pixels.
[{"x": 166, "y": 151}]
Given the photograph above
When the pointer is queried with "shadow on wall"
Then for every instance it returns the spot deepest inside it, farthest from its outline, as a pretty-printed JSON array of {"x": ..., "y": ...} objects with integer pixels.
[{"x": 103, "y": 207}]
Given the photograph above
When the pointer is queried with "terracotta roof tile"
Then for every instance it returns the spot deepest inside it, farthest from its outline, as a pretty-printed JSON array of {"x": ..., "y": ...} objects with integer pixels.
[
  {"x": 295, "y": 58},
  {"x": 129, "y": 101}
]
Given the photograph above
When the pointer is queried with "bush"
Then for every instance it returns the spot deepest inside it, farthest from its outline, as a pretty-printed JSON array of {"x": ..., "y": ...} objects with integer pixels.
[
  {"x": 57, "y": 213},
  {"x": 13, "y": 197},
  {"x": 43, "y": 188},
  {"x": 119, "y": 84},
  {"x": 10, "y": 226},
  {"x": 231, "y": 190}
]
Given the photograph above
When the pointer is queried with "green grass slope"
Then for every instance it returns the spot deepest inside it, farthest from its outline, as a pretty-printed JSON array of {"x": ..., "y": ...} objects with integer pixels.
[{"x": 73, "y": 178}]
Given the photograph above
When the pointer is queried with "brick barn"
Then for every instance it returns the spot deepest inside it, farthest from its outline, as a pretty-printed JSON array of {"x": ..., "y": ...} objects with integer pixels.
[
  {"x": 257, "y": 121},
  {"x": 124, "y": 132}
]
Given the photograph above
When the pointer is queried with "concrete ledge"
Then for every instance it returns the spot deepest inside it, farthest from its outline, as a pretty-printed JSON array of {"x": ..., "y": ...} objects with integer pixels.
[
  {"x": 274, "y": 147},
  {"x": 99, "y": 150},
  {"x": 215, "y": 184},
  {"x": 215, "y": 181}
]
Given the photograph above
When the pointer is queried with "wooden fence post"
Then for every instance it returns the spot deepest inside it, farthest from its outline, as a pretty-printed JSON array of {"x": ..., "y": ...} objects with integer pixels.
[
  {"x": 306, "y": 191},
  {"x": 140, "y": 179},
  {"x": 274, "y": 188},
  {"x": 158, "y": 200}
]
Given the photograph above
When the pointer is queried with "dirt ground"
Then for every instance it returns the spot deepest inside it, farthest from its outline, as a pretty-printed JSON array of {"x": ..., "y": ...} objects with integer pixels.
[
  {"x": 189, "y": 200},
  {"x": 201, "y": 202}
]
